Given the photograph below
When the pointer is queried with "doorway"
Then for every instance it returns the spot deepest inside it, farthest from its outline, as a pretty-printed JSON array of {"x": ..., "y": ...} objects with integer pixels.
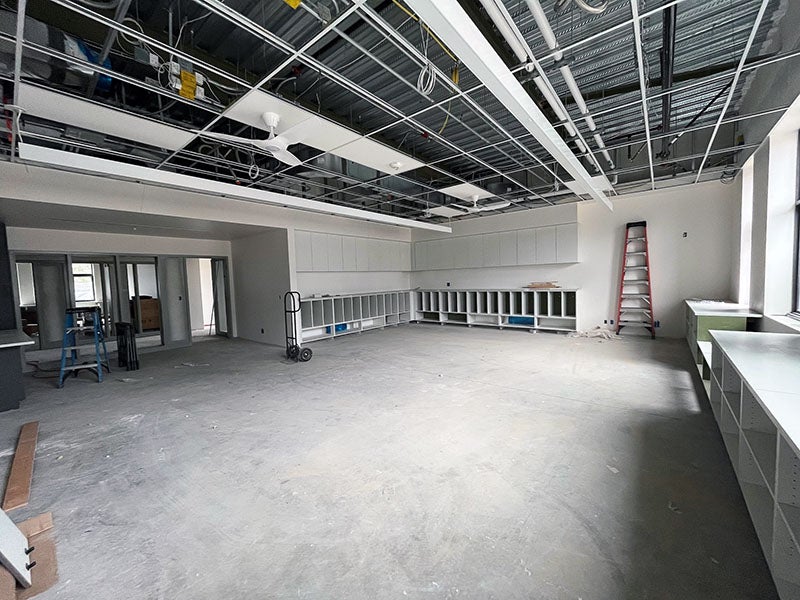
[
  {"x": 208, "y": 296},
  {"x": 43, "y": 295}
]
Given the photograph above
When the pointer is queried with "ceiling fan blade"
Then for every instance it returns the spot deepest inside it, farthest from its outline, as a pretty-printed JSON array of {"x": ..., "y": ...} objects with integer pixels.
[
  {"x": 228, "y": 138},
  {"x": 301, "y": 131},
  {"x": 285, "y": 157}
]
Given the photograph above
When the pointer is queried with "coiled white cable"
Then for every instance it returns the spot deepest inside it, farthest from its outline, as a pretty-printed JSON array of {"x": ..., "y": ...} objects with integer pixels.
[{"x": 427, "y": 79}]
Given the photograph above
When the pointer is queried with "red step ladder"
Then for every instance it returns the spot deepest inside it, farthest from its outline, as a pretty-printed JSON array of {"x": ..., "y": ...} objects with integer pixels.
[{"x": 635, "y": 304}]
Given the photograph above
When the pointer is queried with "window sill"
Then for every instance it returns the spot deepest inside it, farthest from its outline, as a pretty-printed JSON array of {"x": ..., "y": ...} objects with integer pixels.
[{"x": 780, "y": 324}]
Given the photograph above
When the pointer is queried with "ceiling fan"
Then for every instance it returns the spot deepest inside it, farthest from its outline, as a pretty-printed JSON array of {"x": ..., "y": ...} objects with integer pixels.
[
  {"x": 276, "y": 145},
  {"x": 475, "y": 208}
]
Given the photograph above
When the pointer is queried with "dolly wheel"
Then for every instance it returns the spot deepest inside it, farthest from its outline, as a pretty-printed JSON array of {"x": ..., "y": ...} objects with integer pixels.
[
  {"x": 305, "y": 354},
  {"x": 293, "y": 352}
]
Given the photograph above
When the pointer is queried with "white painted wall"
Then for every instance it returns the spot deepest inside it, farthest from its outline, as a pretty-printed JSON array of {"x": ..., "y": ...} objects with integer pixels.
[
  {"x": 742, "y": 259},
  {"x": 773, "y": 223},
  {"x": 55, "y": 240},
  {"x": 698, "y": 265},
  {"x": 262, "y": 274},
  {"x": 195, "y": 293}
]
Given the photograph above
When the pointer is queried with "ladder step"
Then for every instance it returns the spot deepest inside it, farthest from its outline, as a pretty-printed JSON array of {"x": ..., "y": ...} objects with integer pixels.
[
  {"x": 634, "y": 309},
  {"x": 84, "y": 366},
  {"x": 74, "y": 329},
  {"x": 641, "y": 296},
  {"x": 637, "y": 239},
  {"x": 634, "y": 324},
  {"x": 635, "y": 253},
  {"x": 636, "y": 268}
]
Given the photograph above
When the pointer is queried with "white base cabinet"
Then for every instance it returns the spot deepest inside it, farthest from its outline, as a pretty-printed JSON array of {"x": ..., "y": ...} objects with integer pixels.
[
  {"x": 332, "y": 316},
  {"x": 541, "y": 309},
  {"x": 755, "y": 397}
]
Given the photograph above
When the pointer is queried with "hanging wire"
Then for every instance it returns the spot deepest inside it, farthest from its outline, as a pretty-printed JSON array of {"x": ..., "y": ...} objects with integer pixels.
[{"x": 427, "y": 76}]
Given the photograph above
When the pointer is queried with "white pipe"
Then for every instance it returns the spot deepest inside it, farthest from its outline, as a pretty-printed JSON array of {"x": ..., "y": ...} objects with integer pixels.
[
  {"x": 566, "y": 72},
  {"x": 544, "y": 27},
  {"x": 505, "y": 30}
]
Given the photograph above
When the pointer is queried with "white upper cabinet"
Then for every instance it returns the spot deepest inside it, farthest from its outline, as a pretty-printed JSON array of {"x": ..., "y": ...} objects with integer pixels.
[
  {"x": 460, "y": 252},
  {"x": 526, "y": 247},
  {"x": 508, "y": 248},
  {"x": 348, "y": 253},
  {"x": 491, "y": 249},
  {"x": 545, "y": 245},
  {"x": 319, "y": 251},
  {"x": 362, "y": 254},
  {"x": 334, "y": 252},
  {"x": 567, "y": 243},
  {"x": 302, "y": 247},
  {"x": 475, "y": 250}
]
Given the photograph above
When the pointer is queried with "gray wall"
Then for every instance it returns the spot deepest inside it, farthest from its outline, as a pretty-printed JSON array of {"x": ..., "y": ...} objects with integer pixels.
[{"x": 261, "y": 274}]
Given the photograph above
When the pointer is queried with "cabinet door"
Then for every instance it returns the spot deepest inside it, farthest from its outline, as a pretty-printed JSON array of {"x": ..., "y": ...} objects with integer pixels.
[
  {"x": 526, "y": 247},
  {"x": 302, "y": 251},
  {"x": 460, "y": 252},
  {"x": 362, "y": 254},
  {"x": 445, "y": 253},
  {"x": 508, "y": 248},
  {"x": 319, "y": 251},
  {"x": 545, "y": 245},
  {"x": 348, "y": 253},
  {"x": 567, "y": 243},
  {"x": 334, "y": 252},
  {"x": 491, "y": 249},
  {"x": 475, "y": 250},
  {"x": 375, "y": 255},
  {"x": 420, "y": 256},
  {"x": 404, "y": 252}
]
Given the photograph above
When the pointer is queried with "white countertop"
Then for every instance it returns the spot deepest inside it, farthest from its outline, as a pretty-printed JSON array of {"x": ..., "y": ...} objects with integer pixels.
[
  {"x": 12, "y": 338},
  {"x": 706, "y": 308},
  {"x": 770, "y": 365}
]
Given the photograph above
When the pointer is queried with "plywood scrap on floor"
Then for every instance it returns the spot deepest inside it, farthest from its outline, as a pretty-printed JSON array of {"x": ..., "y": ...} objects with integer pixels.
[
  {"x": 18, "y": 488},
  {"x": 45, "y": 574}
]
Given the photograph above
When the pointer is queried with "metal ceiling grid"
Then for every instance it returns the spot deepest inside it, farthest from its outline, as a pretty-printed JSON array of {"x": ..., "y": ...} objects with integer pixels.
[{"x": 359, "y": 65}]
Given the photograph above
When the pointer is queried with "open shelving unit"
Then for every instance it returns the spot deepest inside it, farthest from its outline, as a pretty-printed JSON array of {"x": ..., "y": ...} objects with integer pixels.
[
  {"x": 332, "y": 316},
  {"x": 553, "y": 309},
  {"x": 755, "y": 397}
]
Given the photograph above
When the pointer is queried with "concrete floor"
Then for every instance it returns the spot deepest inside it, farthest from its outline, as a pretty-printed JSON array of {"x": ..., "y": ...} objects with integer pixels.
[{"x": 415, "y": 462}]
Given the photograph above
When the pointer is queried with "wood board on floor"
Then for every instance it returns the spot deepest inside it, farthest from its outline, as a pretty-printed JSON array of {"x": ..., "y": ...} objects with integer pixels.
[{"x": 18, "y": 488}]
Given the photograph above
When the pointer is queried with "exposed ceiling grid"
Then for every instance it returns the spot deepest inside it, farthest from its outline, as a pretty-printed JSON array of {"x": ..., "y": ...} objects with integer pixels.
[{"x": 356, "y": 65}]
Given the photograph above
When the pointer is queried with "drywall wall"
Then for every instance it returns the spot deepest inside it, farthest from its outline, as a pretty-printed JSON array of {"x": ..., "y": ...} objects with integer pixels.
[
  {"x": 698, "y": 265},
  {"x": 773, "y": 223},
  {"x": 195, "y": 292},
  {"x": 262, "y": 274},
  {"x": 23, "y": 239}
]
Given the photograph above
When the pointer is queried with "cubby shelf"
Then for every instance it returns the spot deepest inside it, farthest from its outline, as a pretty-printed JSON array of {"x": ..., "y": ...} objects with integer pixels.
[
  {"x": 755, "y": 396},
  {"x": 552, "y": 309},
  {"x": 333, "y": 316}
]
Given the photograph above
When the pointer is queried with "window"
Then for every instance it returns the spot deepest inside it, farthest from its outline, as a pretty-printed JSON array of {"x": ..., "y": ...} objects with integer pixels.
[{"x": 83, "y": 281}]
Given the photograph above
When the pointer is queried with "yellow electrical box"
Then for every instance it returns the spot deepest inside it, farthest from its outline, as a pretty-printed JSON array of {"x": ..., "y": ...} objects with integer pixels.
[
  {"x": 293, "y": 3},
  {"x": 188, "y": 84}
]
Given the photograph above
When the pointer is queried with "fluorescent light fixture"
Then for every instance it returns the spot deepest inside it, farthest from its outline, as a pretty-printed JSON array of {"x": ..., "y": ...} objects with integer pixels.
[
  {"x": 117, "y": 170},
  {"x": 454, "y": 27},
  {"x": 599, "y": 182},
  {"x": 445, "y": 211},
  {"x": 85, "y": 114},
  {"x": 466, "y": 191}
]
